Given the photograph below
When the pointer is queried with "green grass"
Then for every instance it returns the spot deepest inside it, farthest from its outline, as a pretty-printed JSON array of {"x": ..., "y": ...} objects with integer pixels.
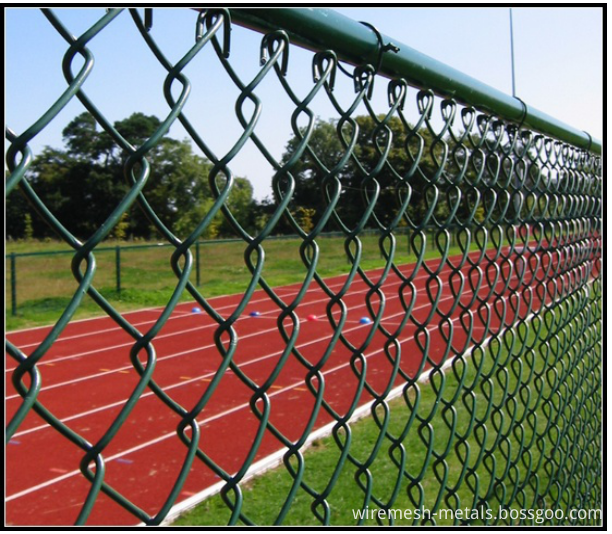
[
  {"x": 44, "y": 282},
  {"x": 555, "y": 384}
]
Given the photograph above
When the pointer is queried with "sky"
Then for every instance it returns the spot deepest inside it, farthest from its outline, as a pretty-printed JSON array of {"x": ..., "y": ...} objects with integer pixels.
[{"x": 558, "y": 66}]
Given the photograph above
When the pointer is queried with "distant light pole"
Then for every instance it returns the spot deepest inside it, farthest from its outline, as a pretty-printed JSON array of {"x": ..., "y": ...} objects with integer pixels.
[{"x": 512, "y": 55}]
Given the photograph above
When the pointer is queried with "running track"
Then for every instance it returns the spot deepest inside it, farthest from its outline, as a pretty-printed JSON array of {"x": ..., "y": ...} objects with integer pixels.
[{"x": 87, "y": 376}]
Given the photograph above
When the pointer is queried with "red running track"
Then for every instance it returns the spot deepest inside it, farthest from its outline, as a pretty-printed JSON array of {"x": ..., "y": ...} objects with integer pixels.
[{"x": 87, "y": 377}]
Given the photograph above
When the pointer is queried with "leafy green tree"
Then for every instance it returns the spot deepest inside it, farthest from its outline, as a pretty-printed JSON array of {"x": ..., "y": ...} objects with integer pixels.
[
  {"x": 82, "y": 140},
  {"x": 385, "y": 169},
  {"x": 430, "y": 181},
  {"x": 17, "y": 212},
  {"x": 323, "y": 153},
  {"x": 304, "y": 217},
  {"x": 77, "y": 190},
  {"x": 240, "y": 204},
  {"x": 177, "y": 189},
  {"x": 83, "y": 183}
]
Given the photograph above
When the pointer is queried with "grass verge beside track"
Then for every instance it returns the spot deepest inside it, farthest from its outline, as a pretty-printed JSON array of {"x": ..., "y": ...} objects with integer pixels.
[{"x": 45, "y": 283}]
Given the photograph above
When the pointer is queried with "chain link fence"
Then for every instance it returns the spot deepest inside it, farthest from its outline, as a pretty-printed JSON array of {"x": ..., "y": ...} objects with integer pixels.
[{"x": 508, "y": 354}]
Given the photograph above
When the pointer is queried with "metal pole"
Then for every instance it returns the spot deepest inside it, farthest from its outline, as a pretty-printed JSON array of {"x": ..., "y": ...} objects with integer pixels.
[
  {"x": 13, "y": 284},
  {"x": 118, "y": 268},
  {"x": 197, "y": 263},
  {"x": 512, "y": 55}
]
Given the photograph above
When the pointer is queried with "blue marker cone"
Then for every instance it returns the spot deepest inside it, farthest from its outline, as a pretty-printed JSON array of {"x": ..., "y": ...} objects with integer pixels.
[
  {"x": 196, "y": 310},
  {"x": 254, "y": 314},
  {"x": 365, "y": 320}
]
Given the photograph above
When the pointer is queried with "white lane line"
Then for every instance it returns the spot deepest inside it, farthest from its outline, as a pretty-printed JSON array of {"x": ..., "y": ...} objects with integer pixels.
[
  {"x": 214, "y": 324},
  {"x": 85, "y": 320},
  {"x": 169, "y": 435},
  {"x": 186, "y": 382},
  {"x": 189, "y": 351},
  {"x": 158, "y": 337},
  {"x": 117, "y": 328},
  {"x": 180, "y": 332},
  {"x": 340, "y": 277},
  {"x": 265, "y": 298},
  {"x": 341, "y": 281},
  {"x": 391, "y": 285},
  {"x": 276, "y": 458},
  {"x": 205, "y": 347}
]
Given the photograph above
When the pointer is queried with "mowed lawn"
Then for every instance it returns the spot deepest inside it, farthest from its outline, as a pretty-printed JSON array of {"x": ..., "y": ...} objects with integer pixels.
[{"x": 44, "y": 282}]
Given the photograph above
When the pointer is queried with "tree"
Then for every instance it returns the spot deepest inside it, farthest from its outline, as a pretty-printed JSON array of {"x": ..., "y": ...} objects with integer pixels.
[
  {"x": 17, "y": 212},
  {"x": 78, "y": 191},
  {"x": 240, "y": 204},
  {"x": 430, "y": 181},
  {"x": 323, "y": 153},
  {"x": 383, "y": 158},
  {"x": 83, "y": 183}
]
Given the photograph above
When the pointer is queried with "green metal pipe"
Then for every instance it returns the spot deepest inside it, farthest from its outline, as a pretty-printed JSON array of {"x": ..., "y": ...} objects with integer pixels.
[
  {"x": 323, "y": 29},
  {"x": 13, "y": 285},
  {"x": 197, "y": 264},
  {"x": 118, "y": 268}
]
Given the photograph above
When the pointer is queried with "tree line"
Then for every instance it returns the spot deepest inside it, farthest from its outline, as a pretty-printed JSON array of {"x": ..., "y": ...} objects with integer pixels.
[
  {"x": 409, "y": 174},
  {"x": 84, "y": 181}
]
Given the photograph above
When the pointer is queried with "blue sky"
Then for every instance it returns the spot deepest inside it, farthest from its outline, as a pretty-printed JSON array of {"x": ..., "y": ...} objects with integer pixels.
[{"x": 558, "y": 51}]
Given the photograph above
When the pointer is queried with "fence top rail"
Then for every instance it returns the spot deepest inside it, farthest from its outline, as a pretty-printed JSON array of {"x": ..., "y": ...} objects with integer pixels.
[{"x": 320, "y": 28}]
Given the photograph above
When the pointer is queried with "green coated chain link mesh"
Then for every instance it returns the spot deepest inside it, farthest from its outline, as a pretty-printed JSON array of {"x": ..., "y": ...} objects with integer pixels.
[{"x": 511, "y": 352}]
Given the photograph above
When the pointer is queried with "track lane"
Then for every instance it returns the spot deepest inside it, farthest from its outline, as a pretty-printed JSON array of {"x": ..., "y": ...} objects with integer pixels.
[{"x": 235, "y": 386}]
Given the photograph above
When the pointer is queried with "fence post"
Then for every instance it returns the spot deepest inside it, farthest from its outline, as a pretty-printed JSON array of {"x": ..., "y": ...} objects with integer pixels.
[
  {"x": 13, "y": 284},
  {"x": 197, "y": 263},
  {"x": 118, "y": 268}
]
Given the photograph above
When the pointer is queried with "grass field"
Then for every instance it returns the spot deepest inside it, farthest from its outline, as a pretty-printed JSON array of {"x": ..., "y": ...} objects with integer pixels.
[{"x": 45, "y": 283}]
